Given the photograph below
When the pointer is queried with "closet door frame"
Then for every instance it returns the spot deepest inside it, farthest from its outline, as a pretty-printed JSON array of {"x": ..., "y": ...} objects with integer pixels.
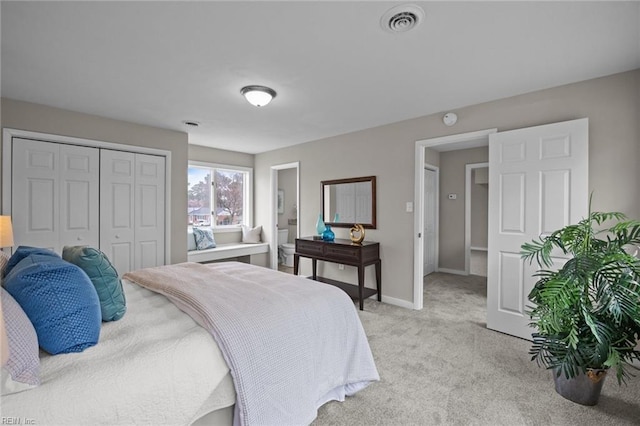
[{"x": 7, "y": 146}]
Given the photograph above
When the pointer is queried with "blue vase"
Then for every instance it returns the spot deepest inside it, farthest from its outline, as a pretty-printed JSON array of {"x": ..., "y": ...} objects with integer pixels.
[
  {"x": 328, "y": 234},
  {"x": 320, "y": 225}
]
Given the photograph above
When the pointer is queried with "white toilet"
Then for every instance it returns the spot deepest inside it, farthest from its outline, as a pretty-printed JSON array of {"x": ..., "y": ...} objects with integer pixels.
[{"x": 285, "y": 249}]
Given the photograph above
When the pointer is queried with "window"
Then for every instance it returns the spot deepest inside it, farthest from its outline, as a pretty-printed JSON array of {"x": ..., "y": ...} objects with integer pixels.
[{"x": 219, "y": 196}]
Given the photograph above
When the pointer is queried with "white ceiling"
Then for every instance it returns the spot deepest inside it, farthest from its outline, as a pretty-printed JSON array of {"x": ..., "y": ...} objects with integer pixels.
[{"x": 334, "y": 68}]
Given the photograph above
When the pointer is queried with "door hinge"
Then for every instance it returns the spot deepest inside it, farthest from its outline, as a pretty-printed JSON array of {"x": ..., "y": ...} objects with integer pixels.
[{"x": 419, "y": 234}]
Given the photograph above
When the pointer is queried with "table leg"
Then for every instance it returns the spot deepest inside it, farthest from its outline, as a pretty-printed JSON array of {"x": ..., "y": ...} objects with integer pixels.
[
  {"x": 314, "y": 266},
  {"x": 361, "y": 286},
  {"x": 296, "y": 263},
  {"x": 379, "y": 279}
]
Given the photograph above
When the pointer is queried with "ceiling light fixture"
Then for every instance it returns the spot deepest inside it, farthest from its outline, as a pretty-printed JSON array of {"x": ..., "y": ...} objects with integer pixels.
[{"x": 258, "y": 95}]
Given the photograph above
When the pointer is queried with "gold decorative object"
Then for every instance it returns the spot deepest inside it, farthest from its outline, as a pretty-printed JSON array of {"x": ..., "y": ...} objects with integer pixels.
[{"x": 356, "y": 233}]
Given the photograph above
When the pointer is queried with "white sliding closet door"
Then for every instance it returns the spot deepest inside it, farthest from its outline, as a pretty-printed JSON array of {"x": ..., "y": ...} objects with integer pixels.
[
  {"x": 54, "y": 197},
  {"x": 149, "y": 211},
  {"x": 117, "y": 191}
]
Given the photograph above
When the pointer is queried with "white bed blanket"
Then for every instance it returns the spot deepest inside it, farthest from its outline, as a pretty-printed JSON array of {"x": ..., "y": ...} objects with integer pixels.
[
  {"x": 292, "y": 344},
  {"x": 155, "y": 366}
]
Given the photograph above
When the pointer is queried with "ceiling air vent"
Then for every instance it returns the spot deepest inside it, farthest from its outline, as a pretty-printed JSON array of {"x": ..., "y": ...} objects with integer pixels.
[{"x": 401, "y": 19}]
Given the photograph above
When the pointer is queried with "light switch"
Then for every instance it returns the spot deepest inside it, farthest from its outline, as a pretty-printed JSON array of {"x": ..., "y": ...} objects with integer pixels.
[
  {"x": 409, "y": 207},
  {"x": 453, "y": 196}
]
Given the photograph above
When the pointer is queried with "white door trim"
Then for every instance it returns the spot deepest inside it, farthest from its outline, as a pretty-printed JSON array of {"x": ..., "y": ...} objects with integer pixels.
[
  {"x": 418, "y": 202},
  {"x": 467, "y": 213},
  {"x": 273, "y": 207},
  {"x": 7, "y": 143}
]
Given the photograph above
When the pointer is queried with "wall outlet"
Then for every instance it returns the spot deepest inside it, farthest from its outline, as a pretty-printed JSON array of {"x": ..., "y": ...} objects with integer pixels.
[{"x": 341, "y": 267}]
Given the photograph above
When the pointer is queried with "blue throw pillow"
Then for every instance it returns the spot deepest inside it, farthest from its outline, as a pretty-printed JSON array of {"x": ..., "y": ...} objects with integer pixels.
[
  {"x": 59, "y": 299},
  {"x": 204, "y": 238},
  {"x": 24, "y": 251},
  {"x": 103, "y": 276}
]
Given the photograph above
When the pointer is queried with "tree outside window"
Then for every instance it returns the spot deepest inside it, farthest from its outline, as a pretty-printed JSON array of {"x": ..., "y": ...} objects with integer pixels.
[{"x": 228, "y": 192}]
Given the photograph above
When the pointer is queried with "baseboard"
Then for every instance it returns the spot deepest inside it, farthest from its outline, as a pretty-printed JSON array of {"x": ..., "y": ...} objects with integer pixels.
[
  {"x": 452, "y": 271},
  {"x": 393, "y": 301}
]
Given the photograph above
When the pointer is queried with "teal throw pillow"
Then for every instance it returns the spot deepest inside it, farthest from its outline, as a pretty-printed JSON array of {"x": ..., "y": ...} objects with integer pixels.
[
  {"x": 103, "y": 276},
  {"x": 204, "y": 238}
]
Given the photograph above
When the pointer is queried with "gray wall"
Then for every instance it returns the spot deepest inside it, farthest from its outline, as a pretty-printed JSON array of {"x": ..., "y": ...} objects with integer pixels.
[
  {"x": 39, "y": 118},
  {"x": 219, "y": 156},
  {"x": 479, "y": 213},
  {"x": 611, "y": 104},
  {"x": 452, "y": 181}
]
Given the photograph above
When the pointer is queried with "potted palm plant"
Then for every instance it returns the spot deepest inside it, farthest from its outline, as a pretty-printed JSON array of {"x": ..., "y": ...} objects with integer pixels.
[{"x": 587, "y": 313}]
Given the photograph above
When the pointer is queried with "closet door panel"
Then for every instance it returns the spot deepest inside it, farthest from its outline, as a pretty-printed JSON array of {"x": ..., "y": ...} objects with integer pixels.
[
  {"x": 35, "y": 193},
  {"x": 121, "y": 256},
  {"x": 149, "y": 211},
  {"x": 117, "y": 191},
  {"x": 79, "y": 191}
]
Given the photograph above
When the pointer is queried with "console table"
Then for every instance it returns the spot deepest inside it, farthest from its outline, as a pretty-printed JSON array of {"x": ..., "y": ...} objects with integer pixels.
[{"x": 347, "y": 253}]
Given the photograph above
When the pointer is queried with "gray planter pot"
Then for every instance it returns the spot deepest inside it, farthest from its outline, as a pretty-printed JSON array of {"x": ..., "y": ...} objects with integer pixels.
[{"x": 583, "y": 389}]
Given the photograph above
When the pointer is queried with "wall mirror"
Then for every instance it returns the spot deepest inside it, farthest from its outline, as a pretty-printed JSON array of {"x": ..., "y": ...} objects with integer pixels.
[{"x": 346, "y": 202}]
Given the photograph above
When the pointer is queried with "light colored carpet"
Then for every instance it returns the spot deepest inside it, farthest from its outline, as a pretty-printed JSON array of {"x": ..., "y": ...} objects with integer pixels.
[{"x": 442, "y": 366}]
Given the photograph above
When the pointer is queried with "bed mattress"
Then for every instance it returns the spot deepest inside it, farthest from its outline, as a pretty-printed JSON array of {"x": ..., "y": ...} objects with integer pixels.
[{"x": 154, "y": 366}]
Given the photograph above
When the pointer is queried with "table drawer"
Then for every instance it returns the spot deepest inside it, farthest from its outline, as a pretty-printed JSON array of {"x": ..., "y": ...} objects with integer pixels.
[
  {"x": 342, "y": 253},
  {"x": 309, "y": 247}
]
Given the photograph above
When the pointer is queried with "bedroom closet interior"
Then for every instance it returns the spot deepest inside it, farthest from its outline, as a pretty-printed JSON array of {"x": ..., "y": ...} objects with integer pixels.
[{"x": 67, "y": 194}]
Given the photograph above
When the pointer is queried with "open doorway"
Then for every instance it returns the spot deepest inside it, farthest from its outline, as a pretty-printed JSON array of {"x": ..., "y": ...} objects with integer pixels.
[
  {"x": 285, "y": 214},
  {"x": 442, "y": 144},
  {"x": 476, "y": 218}
]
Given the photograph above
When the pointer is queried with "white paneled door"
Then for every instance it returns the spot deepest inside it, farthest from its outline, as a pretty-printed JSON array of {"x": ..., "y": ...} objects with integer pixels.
[
  {"x": 79, "y": 203},
  {"x": 117, "y": 192},
  {"x": 538, "y": 183},
  {"x": 54, "y": 197},
  {"x": 149, "y": 211},
  {"x": 132, "y": 198}
]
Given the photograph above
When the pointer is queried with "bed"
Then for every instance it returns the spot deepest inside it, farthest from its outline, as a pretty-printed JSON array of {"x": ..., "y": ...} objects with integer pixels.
[{"x": 226, "y": 343}]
